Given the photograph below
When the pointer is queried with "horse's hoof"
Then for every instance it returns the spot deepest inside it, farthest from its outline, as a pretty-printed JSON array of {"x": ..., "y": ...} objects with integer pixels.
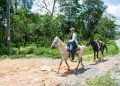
[
  {"x": 76, "y": 68},
  {"x": 57, "y": 73},
  {"x": 82, "y": 65},
  {"x": 68, "y": 69}
]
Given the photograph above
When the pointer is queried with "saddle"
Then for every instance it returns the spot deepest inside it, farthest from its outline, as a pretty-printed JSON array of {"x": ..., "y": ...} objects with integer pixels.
[
  {"x": 75, "y": 53},
  {"x": 100, "y": 44},
  {"x": 77, "y": 48}
]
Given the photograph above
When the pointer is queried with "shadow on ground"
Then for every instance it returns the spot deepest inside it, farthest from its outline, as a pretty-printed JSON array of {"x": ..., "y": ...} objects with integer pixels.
[
  {"x": 76, "y": 72},
  {"x": 97, "y": 62}
]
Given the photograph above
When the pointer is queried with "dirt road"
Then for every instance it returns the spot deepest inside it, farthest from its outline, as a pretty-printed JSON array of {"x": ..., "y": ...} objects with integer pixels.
[{"x": 32, "y": 72}]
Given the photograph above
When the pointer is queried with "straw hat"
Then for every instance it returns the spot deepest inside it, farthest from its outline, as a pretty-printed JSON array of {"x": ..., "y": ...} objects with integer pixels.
[{"x": 72, "y": 29}]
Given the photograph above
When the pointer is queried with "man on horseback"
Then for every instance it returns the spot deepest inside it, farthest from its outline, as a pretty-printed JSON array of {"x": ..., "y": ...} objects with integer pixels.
[{"x": 73, "y": 43}]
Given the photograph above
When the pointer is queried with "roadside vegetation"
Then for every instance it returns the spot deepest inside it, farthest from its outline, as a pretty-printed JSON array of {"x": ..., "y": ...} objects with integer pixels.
[
  {"x": 33, "y": 33},
  {"x": 105, "y": 80},
  {"x": 32, "y": 50}
]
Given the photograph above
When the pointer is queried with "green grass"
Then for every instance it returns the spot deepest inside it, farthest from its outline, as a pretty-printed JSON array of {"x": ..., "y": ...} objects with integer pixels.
[
  {"x": 35, "y": 51},
  {"x": 31, "y": 51},
  {"x": 112, "y": 48},
  {"x": 105, "y": 80}
]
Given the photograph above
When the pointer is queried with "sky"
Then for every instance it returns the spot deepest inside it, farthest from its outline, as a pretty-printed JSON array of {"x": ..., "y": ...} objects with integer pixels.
[{"x": 113, "y": 7}]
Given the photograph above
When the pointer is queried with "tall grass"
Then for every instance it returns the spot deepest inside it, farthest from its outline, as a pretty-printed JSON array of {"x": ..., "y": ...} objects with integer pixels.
[{"x": 112, "y": 48}]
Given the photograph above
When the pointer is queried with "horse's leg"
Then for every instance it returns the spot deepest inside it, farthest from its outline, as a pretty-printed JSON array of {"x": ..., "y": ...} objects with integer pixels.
[
  {"x": 81, "y": 62},
  {"x": 100, "y": 58},
  {"x": 105, "y": 46},
  {"x": 67, "y": 64},
  {"x": 77, "y": 65},
  {"x": 60, "y": 65},
  {"x": 102, "y": 53},
  {"x": 94, "y": 56},
  {"x": 102, "y": 50},
  {"x": 98, "y": 55}
]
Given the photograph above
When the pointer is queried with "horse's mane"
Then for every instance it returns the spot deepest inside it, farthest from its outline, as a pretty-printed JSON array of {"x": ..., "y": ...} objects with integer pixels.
[{"x": 62, "y": 43}]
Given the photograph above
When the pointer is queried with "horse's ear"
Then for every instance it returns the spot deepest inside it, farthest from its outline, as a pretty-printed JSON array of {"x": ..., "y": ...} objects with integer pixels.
[{"x": 57, "y": 37}]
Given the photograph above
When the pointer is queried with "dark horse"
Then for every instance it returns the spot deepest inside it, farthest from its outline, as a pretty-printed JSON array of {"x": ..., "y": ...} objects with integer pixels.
[{"x": 97, "y": 46}]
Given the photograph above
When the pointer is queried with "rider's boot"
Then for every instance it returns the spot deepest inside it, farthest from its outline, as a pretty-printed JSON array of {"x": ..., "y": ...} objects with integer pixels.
[{"x": 72, "y": 57}]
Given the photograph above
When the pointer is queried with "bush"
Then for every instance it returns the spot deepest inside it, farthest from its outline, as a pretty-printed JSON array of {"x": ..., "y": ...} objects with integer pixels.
[
  {"x": 35, "y": 50},
  {"x": 3, "y": 49},
  {"x": 40, "y": 51},
  {"x": 112, "y": 48}
]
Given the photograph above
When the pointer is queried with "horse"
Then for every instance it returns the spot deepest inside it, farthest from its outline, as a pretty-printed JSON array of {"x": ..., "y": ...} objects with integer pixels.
[
  {"x": 63, "y": 48},
  {"x": 97, "y": 46}
]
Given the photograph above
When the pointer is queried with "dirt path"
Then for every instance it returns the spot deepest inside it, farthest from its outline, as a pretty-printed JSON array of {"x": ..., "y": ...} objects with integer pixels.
[
  {"x": 29, "y": 72},
  {"x": 116, "y": 69}
]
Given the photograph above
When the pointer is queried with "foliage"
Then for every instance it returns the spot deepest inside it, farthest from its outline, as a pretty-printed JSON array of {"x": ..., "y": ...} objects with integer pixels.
[
  {"x": 112, "y": 48},
  {"x": 71, "y": 10},
  {"x": 40, "y": 51},
  {"x": 3, "y": 49},
  {"x": 33, "y": 50},
  {"x": 32, "y": 28},
  {"x": 93, "y": 10},
  {"x": 106, "y": 27}
]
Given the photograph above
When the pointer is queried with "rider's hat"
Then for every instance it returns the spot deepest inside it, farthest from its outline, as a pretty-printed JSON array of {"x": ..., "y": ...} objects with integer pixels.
[{"x": 73, "y": 29}]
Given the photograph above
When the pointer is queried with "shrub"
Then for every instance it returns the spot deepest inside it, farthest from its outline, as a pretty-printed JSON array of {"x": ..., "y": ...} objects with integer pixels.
[{"x": 3, "y": 49}]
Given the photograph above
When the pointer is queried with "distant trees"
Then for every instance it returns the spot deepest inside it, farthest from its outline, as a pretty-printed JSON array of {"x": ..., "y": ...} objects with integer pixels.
[
  {"x": 93, "y": 11},
  {"x": 28, "y": 27},
  {"x": 106, "y": 27}
]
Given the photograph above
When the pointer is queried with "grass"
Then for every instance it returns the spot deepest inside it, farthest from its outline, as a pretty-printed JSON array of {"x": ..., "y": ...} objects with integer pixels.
[
  {"x": 32, "y": 51},
  {"x": 112, "y": 48},
  {"x": 105, "y": 80}
]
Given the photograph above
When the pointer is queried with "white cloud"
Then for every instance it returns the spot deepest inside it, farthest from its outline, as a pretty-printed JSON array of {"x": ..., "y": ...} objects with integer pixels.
[{"x": 115, "y": 11}]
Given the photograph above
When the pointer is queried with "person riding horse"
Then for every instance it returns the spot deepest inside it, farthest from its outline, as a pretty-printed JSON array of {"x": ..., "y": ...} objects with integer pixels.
[{"x": 73, "y": 43}]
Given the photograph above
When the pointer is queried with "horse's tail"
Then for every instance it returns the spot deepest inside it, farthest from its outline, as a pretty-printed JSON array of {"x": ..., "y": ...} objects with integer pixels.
[{"x": 106, "y": 48}]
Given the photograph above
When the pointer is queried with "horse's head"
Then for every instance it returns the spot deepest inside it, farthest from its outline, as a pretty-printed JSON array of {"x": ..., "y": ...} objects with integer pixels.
[
  {"x": 55, "y": 42},
  {"x": 83, "y": 46}
]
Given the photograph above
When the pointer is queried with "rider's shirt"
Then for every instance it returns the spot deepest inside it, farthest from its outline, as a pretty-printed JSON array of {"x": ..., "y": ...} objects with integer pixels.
[{"x": 74, "y": 38}]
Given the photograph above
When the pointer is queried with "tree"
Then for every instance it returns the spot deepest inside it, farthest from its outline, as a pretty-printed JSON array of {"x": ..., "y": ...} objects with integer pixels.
[
  {"x": 106, "y": 27},
  {"x": 3, "y": 21},
  {"x": 47, "y": 6},
  {"x": 92, "y": 13},
  {"x": 71, "y": 10}
]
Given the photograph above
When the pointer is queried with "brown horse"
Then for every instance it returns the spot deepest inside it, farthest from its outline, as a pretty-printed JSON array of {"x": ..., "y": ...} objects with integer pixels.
[{"x": 97, "y": 46}]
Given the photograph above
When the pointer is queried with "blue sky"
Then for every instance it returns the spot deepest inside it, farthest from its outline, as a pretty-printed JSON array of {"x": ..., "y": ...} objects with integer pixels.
[
  {"x": 116, "y": 2},
  {"x": 113, "y": 7}
]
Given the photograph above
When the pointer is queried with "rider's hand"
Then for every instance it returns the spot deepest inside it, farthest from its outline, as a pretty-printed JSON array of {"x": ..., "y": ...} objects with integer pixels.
[{"x": 66, "y": 42}]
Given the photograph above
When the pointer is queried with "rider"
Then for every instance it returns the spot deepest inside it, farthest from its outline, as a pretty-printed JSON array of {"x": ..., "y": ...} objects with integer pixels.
[{"x": 73, "y": 42}]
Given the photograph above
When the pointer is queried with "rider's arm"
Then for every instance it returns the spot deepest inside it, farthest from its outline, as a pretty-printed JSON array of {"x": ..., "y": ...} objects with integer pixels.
[{"x": 73, "y": 38}]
